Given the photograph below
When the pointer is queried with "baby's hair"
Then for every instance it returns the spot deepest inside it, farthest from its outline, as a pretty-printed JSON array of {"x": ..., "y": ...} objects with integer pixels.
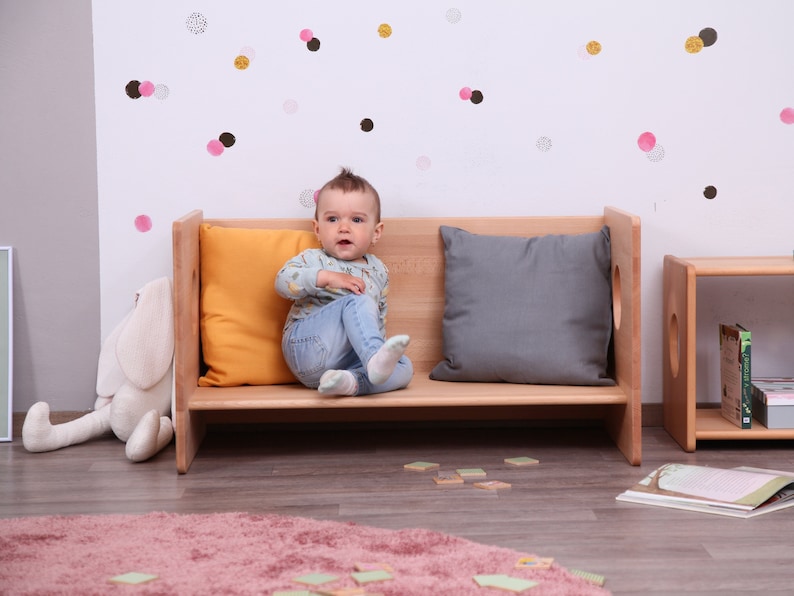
[{"x": 347, "y": 181}]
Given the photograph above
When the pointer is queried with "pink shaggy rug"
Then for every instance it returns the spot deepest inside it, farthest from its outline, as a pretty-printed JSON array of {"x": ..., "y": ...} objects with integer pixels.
[{"x": 238, "y": 553}]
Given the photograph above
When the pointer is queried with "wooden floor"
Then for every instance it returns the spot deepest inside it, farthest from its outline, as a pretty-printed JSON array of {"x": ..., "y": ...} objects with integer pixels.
[{"x": 563, "y": 508}]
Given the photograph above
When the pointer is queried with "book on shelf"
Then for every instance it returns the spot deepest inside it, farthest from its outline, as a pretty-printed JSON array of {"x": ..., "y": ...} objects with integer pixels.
[
  {"x": 773, "y": 401},
  {"x": 735, "y": 385},
  {"x": 737, "y": 492}
]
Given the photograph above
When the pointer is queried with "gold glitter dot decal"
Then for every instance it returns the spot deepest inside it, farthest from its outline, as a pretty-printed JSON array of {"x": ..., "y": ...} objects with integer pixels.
[
  {"x": 241, "y": 62},
  {"x": 593, "y": 48},
  {"x": 693, "y": 44},
  {"x": 384, "y": 30}
]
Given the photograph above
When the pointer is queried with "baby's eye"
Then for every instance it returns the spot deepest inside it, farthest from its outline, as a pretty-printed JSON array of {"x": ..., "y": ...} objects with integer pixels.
[
  {"x": 332, "y": 218},
  {"x": 358, "y": 220}
]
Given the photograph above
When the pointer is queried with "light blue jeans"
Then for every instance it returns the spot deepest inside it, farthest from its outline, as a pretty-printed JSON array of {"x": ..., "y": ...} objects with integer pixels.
[{"x": 342, "y": 335}]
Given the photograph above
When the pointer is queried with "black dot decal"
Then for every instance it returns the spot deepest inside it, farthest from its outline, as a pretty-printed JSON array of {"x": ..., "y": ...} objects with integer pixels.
[
  {"x": 227, "y": 139},
  {"x": 313, "y": 44},
  {"x": 132, "y": 89},
  {"x": 476, "y": 96},
  {"x": 709, "y": 192},
  {"x": 709, "y": 36},
  {"x": 367, "y": 125}
]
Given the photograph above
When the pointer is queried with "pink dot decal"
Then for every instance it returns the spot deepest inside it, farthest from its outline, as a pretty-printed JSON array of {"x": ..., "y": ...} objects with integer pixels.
[
  {"x": 306, "y": 35},
  {"x": 787, "y": 116},
  {"x": 465, "y": 93},
  {"x": 146, "y": 88},
  {"x": 143, "y": 223},
  {"x": 215, "y": 147},
  {"x": 647, "y": 141},
  {"x": 423, "y": 162}
]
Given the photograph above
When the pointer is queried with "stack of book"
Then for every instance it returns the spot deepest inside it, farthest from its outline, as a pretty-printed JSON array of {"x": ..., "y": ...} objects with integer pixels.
[{"x": 773, "y": 401}]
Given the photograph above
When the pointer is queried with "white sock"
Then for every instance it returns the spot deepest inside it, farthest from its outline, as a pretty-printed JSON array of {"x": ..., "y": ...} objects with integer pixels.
[
  {"x": 381, "y": 365},
  {"x": 338, "y": 382}
]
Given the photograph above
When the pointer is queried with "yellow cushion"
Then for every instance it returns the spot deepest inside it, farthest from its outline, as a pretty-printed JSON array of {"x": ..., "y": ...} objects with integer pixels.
[{"x": 241, "y": 315}]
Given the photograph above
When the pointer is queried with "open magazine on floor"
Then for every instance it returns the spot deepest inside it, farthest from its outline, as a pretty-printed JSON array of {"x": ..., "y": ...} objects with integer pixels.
[{"x": 736, "y": 492}]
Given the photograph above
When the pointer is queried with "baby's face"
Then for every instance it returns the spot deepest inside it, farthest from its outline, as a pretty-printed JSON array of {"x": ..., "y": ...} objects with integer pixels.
[{"x": 346, "y": 223}]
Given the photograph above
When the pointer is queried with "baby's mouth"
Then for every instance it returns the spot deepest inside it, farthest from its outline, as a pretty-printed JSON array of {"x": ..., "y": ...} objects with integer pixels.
[{"x": 345, "y": 242}]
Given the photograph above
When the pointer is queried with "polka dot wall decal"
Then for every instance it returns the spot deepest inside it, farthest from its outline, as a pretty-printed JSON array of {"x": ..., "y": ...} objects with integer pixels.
[
  {"x": 161, "y": 91},
  {"x": 454, "y": 15},
  {"x": 656, "y": 154},
  {"x": 693, "y": 44},
  {"x": 709, "y": 36},
  {"x": 244, "y": 58},
  {"x": 307, "y": 198},
  {"x": 133, "y": 89},
  {"x": 137, "y": 89},
  {"x": 706, "y": 38},
  {"x": 312, "y": 43},
  {"x": 367, "y": 125},
  {"x": 709, "y": 192},
  {"x": 582, "y": 52},
  {"x": 290, "y": 106},
  {"x": 787, "y": 116},
  {"x": 543, "y": 144},
  {"x": 196, "y": 23},
  {"x": 423, "y": 163},
  {"x": 593, "y": 48},
  {"x": 227, "y": 139},
  {"x": 384, "y": 30},
  {"x": 646, "y": 141},
  {"x": 146, "y": 88},
  {"x": 476, "y": 96},
  {"x": 465, "y": 93},
  {"x": 143, "y": 223},
  {"x": 215, "y": 147}
]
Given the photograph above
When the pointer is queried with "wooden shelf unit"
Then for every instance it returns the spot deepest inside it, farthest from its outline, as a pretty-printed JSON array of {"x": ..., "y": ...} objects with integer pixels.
[{"x": 685, "y": 422}]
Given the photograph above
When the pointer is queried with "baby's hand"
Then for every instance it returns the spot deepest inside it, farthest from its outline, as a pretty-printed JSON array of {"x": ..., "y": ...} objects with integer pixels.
[{"x": 342, "y": 281}]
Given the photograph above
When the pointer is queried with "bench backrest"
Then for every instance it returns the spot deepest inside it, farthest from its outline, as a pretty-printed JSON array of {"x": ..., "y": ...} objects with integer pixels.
[{"x": 414, "y": 252}]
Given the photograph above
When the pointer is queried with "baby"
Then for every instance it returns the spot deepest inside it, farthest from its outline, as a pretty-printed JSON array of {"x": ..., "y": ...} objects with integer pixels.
[{"x": 334, "y": 337}]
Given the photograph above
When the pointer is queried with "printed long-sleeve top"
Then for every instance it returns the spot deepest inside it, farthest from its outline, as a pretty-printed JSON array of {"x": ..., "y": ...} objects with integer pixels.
[{"x": 297, "y": 281}]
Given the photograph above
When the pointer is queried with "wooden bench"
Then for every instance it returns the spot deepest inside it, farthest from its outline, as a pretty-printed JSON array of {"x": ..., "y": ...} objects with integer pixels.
[{"x": 413, "y": 250}]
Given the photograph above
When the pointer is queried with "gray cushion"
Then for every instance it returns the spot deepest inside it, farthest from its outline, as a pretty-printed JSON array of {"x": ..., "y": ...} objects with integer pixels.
[{"x": 526, "y": 310}]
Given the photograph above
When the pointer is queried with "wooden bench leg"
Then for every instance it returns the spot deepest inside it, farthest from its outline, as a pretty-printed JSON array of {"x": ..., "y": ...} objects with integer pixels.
[
  {"x": 624, "y": 426},
  {"x": 190, "y": 431}
]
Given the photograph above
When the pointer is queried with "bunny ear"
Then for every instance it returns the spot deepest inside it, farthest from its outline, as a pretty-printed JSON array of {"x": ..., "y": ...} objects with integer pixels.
[
  {"x": 145, "y": 347},
  {"x": 109, "y": 374}
]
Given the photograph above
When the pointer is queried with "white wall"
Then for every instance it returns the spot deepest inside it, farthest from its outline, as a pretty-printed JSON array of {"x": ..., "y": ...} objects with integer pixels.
[{"x": 715, "y": 115}]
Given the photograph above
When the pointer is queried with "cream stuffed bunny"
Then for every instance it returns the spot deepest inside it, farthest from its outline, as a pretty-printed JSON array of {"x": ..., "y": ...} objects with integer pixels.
[{"x": 134, "y": 384}]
